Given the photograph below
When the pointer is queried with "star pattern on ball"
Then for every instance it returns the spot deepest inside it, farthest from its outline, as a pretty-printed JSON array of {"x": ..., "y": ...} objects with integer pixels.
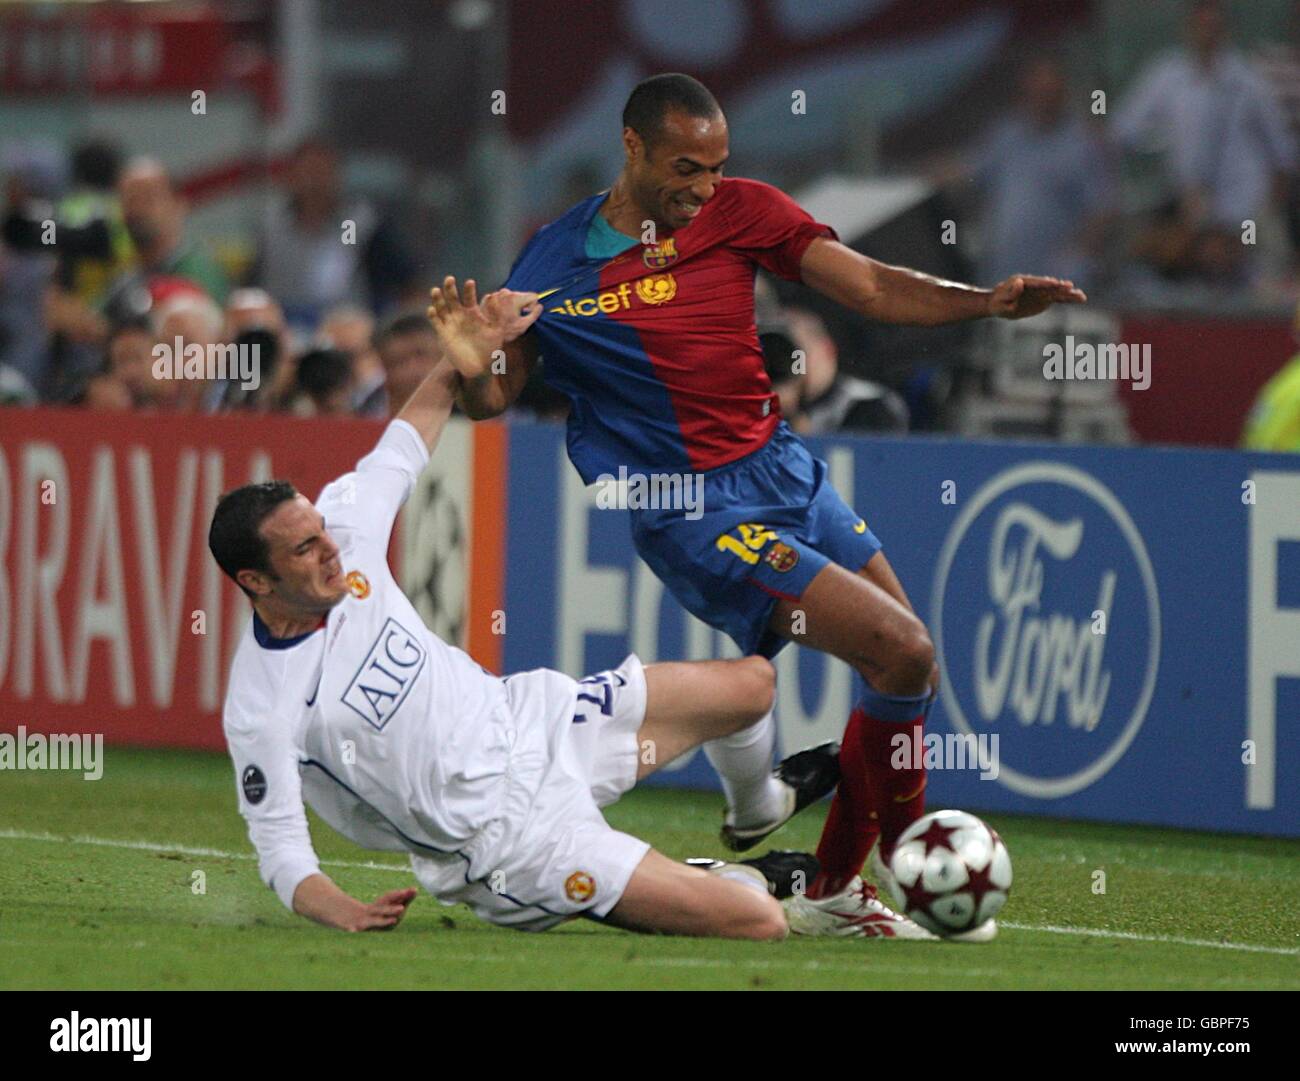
[
  {"x": 954, "y": 887},
  {"x": 918, "y": 897},
  {"x": 937, "y": 836},
  {"x": 980, "y": 883}
]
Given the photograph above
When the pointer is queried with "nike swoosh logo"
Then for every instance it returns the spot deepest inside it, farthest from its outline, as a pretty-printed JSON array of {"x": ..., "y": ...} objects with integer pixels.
[
  {"x": 912, "y": 796},
  {"x": 312, "y": 700},
  {"x": 860, "y": 526}
]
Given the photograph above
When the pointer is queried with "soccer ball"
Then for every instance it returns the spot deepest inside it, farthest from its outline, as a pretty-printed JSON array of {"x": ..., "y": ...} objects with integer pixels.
[{"x": 951, "y": 872}]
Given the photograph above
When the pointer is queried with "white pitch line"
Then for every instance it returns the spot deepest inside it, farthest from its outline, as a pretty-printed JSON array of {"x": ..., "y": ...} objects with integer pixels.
[
  {"x": 1133, "y": 936},
  {"x": 184, "y": 850},
  {"x": 1125, "y": 864},
  {"x": 216, "y": 853}
]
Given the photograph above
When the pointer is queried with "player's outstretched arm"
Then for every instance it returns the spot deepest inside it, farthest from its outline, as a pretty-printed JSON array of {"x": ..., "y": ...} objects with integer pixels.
[
  {"x": 893, "y": 294},
  {"x": 319, "y": 899},
  {"x": 429, "y": 407},
  {"x": 486, "y": 343}
]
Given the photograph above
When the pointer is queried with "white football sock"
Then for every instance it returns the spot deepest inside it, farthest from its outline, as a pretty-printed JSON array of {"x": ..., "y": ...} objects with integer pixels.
[{"x": 744, "y": 762}]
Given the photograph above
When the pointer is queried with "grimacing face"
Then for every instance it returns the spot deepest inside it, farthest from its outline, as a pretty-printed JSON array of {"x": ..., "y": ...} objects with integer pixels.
[
  {"x": 304, "y": 559},
  {"x": 673, "y": 177}
]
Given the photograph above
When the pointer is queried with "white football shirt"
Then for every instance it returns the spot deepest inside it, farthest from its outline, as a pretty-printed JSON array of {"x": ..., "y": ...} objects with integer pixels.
[{"x": 396, "y": 739}]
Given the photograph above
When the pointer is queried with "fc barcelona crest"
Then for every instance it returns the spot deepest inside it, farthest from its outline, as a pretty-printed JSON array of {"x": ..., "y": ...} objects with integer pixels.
[
  {"x": 781, "y": 557},
  {"x": 658, "y": 256}
]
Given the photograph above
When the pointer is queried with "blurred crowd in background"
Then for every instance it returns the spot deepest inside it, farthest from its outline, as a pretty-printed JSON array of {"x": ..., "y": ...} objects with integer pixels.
[
  {"x": 337, "y": 315},
  {"x": 82, "y": 316}
]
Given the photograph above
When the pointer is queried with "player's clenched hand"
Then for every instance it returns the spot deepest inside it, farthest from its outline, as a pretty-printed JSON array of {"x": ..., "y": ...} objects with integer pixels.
[
  {"x": 384, "y": 913},
  {"x": 1023, "y": 295},
  {"x": 511, "y": 311},
  {"x": 470, "y": 332}
]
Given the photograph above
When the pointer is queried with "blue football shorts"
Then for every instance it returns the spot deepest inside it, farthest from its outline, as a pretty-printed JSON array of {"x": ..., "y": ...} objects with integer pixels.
[{"x": 770, "y": 522}]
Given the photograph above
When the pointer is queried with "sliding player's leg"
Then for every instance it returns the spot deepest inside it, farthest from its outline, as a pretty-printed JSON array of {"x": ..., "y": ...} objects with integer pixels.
[
  {"x": 692, "y": 702},
  {"x": 672, "y": 898},
  {"x": 634, "y": 719},
  {"x": 757, "y": 799},
  {"x": 565, "y": 861},
  {"x": 557, "y": 858},
  {"x": 713, "y": 703}
]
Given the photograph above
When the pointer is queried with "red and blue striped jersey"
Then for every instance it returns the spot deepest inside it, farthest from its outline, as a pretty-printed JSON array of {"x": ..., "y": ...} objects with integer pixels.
[{"x": 656, "y": 348}]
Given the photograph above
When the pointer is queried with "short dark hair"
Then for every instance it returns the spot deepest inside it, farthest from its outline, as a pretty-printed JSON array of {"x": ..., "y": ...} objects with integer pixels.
[
  {"x": 402, "y": 324},
  {"x": 659, "y": 94},
  {"x": 234, "y": 538}
]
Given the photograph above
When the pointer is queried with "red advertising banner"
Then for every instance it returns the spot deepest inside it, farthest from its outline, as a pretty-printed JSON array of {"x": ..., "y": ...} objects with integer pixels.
[
  {"x": 111, "y": 50},
  {"x": 114, "y": 619},
  {"x": 1205, "y": 376}
]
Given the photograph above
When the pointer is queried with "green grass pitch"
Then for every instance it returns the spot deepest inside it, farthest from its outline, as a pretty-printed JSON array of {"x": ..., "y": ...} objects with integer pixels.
[{"x": 96, "y": 891}]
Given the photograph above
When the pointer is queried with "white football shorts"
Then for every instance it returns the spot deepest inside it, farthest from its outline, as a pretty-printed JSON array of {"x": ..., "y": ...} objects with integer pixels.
[{"x": 561, "y": 859}]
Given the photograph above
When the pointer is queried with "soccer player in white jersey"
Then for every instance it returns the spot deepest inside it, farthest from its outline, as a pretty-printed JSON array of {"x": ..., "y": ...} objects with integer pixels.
[{"x": 341, "y": 698}]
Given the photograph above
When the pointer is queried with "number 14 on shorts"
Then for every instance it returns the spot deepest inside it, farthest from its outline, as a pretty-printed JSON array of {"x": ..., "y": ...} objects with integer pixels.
[{"x": 751, "y": 540}]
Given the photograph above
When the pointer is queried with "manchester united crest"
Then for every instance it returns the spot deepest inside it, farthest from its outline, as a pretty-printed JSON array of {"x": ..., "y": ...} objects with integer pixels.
[
  {"x": 358, "y": 585},
  {"x": 658, "y": 256},
  {"x": 781, "y": 557},
  {"x": 657, "y": 288},
  {"x": 579, "y": 887}
]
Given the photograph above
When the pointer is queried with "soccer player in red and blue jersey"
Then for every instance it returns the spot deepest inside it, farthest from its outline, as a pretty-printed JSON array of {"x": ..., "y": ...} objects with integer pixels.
[{"x": 643, "y": 306}]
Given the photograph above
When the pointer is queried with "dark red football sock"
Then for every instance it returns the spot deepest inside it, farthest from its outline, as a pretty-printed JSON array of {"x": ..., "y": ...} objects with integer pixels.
[
  {"x": 873, "y": 801},
  {"x": 899, "y": 793},
  {"x": 851, "y": 827}
]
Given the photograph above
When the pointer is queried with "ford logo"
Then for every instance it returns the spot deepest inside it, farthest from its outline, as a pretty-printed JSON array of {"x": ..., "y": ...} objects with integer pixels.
[{"x": 1046, "y": 621}]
